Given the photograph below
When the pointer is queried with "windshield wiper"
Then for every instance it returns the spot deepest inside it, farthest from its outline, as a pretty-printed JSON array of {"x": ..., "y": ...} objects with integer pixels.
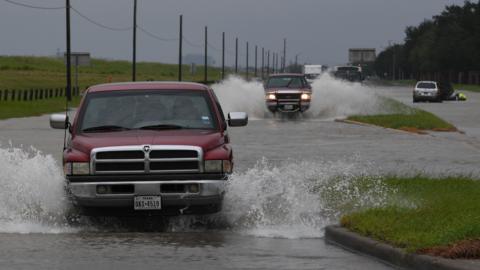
[
  {"x": 105, "y": 128},
  {"x": 288, "y": 84},
  {"x": 162, "y": 127}
]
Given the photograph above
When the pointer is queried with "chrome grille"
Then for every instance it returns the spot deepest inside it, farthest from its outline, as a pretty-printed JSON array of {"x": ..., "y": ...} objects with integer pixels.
[{"x": 147, "y": 159}]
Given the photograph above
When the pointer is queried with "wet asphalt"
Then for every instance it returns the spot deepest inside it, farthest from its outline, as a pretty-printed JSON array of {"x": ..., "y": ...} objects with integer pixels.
[{"x": 279, "y": 140}]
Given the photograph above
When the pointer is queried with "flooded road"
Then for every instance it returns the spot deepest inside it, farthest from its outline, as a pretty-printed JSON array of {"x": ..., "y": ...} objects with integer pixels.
[
  {"x": 277, "y": 203},
  {"x": 182, "y": 250}
]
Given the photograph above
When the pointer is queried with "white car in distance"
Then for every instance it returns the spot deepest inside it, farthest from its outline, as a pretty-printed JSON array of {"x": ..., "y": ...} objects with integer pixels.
[{"x": 426, "y": 91}]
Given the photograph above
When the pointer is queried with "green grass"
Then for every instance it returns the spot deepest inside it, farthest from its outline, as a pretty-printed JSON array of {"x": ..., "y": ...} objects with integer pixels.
[
  {"x": 13, "y": 109},
  {"x": 26, "y": 72},
  {"x": 411, "y": 83},
  {"x": 424, "y": 213},
  {"x": 405, "y": 118},
  {"x": 467, "y": 87},
  {"x": 396, "y": 82}
]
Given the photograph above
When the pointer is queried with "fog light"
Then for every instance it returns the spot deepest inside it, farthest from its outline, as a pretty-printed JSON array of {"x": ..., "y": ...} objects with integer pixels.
[
  {"x": 193, "y": 188},
  {"x": 102, "y": 189}
]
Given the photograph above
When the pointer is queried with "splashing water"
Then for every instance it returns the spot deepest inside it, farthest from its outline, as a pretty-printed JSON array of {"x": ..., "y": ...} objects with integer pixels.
[
  {"x": 32, "y": 197},
  {"x": 331, "y": 98},
  {"x": 334, "y": 98},
  {"x": 291, "y": 200},
  {"x": 235, "y": 94},
  {"x": 298, "y": 199}
]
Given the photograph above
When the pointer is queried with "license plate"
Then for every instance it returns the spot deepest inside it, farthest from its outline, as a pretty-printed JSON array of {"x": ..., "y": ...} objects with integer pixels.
[
  {"x": 147, "y": 203},
  {"x": 288, "y": 107}
]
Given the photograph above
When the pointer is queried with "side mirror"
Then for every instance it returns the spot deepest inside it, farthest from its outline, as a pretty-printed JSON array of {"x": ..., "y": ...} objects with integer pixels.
[
  {"x": 59, "y": 121},
  {"x": 237, "y": 119}
]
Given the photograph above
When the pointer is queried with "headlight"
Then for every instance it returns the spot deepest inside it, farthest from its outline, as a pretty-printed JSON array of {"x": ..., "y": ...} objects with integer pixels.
[
  {"x": 305, "y": 96},
  {"x": 271, "y": 97},
  {"x": 218, "y": 166},
  {"x": 76, "y": 168}
]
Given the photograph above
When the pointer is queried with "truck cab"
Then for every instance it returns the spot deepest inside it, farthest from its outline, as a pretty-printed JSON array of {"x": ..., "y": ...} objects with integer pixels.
[{"x": 148, "y": 147}]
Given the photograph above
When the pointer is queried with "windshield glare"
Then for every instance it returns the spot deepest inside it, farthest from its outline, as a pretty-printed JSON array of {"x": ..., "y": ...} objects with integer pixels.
[
  {"x": 140, "y": 109},
  {"x": 290, "y": 82}
]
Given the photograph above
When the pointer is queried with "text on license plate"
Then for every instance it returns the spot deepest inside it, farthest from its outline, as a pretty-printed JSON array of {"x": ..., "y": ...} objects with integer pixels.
[
  {"x": 288, "y": 107},
  {"x": 147, "y": 203}
]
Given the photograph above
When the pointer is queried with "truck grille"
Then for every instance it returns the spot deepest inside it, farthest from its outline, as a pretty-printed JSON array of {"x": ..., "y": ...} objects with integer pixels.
[
  {"x": 147, "y": 159},
  {"x": 288, "y": 97}
]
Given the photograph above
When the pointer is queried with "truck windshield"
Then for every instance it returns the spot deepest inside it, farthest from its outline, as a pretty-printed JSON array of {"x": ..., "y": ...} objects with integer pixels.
[
  {"x": 156, "y": 110},
  {"x": 287, "y": 82}
]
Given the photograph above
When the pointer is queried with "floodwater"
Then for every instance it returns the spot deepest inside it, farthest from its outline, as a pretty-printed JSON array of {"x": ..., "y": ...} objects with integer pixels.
[{"x": 293, "y": 177}]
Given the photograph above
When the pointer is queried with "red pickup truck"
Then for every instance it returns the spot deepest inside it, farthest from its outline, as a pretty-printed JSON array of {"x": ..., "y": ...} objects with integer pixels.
[{"x": 148, "y": 147}]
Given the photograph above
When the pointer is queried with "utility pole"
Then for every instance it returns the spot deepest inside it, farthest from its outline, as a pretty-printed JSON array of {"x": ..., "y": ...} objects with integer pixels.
[
  {"x": 268, "y": 62},
  {"x": 394, "y": 63},
  {"x": 205, "y": 77},
  {"x": 180, "y": 41},
  {"x": 69, "y": 55},
  {"x": 284, "y": 60},
  {"x": 247, "y": 63},
  {"x": 263, "y": 62},
  {"x": 134, "y": 57},
  {"x": 256, "y": 55},
  {"x": 273, "y": 62},
  {"x": 236, "y": 55},
  {"x": 223, "y": 55}
]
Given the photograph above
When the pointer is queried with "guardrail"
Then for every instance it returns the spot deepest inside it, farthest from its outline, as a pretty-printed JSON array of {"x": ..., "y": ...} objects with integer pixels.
[{"x": 34, "y": 94}]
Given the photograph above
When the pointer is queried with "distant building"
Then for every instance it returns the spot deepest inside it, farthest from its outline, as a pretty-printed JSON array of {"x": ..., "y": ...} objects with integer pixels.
[
  {"x": 361, "y": 55},
  {"x": 197, "y": 59}
]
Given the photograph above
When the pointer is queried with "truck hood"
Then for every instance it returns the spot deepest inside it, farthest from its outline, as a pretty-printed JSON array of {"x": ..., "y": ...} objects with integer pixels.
[
  {"x": 288, "y": 90},
  {"x": 207, "y": 139}
]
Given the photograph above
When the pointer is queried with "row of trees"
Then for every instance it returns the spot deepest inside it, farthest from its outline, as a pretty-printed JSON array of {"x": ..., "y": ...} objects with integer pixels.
[{"x": 445, "y": 47}]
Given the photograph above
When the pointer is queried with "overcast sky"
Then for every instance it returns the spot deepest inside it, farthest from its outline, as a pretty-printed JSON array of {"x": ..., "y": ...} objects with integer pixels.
[{"x": 320, "y": 31}]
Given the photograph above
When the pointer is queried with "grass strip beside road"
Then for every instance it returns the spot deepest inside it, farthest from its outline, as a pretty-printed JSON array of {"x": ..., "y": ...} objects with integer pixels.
[
  {"x": 425, "y": 215},
  {"x": 406, "y": 118},
  {"x": 30, "y": 72},
  {"x": 411, "y": 83},
  {"x": 13, "y": 109},
  {"x": 467, "y": 87}
]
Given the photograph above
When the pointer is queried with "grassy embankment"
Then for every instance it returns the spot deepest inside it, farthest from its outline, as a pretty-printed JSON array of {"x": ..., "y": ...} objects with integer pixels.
[
  {"x": 411, "y": 83},
  {"x": 21, "y": 73},
  {"x": 434, "y": 216},
  {"x": 405, "y": 118}
]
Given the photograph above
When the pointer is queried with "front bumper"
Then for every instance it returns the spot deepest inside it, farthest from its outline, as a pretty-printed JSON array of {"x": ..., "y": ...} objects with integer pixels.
[
  {"x": 419, "y": 95},
  {"x": 206, "y": 200},
  {"x": 287, "y": 106}
]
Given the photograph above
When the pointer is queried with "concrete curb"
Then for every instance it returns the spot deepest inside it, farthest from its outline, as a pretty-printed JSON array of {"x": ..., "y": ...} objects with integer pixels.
[
  {"x": 342, "y": 237},
  {"x": 346, "y": 121}
]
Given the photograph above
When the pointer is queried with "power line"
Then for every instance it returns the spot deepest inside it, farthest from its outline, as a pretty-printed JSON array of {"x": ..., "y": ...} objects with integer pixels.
[
  {"x": 148, "y": 33},
  {"x": 191, "y": 43},
  {"x": 99, "y": 24},
  {"x": 213, "y": 47},
  {"x": 32, "y": 6}
]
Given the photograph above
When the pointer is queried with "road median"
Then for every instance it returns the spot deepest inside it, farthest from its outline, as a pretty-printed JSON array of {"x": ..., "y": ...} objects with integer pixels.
[{"x": 341, "y": 236}]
